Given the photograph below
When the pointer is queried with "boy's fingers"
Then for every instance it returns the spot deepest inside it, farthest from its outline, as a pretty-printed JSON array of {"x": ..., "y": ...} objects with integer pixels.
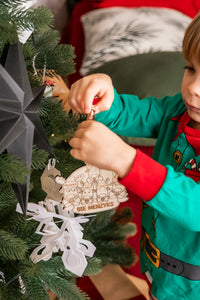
[
  {"x": 83, "y": 92},
  {"x": 105, "y": 101},
  {"x": 72, "y": 100},
  {"x": 84, "y": 124},
  {"x": 75, "y": 143},
  {"x": 75, "y": 153},
  {"x": 88, "y": 100}
]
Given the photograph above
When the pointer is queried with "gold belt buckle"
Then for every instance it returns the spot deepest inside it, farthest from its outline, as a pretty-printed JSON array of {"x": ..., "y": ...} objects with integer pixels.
[{"x": 156, "y": 255}]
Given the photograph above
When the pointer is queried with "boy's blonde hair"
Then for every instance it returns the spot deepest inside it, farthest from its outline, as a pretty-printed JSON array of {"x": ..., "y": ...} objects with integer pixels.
[{"x": 191, "y": 41}]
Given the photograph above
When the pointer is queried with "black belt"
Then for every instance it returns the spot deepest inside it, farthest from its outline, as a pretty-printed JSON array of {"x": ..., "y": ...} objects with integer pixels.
[{"x": 169, "y": 263}]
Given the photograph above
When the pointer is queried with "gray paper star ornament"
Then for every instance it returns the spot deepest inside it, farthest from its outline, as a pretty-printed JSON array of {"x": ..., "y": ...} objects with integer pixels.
[{"x": 19, "y": 120}]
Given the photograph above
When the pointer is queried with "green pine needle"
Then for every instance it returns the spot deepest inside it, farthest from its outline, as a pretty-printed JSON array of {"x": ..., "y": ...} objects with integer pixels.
[
  {"x": 98, "y": 223},
  {"x": 55, "y": 266},
  {"x": 94, "y": 266},
  {"x": 112, "y": 252},
  {"x": 46, "y": 39},
  {"x": 24, "y": 229},
  {"x": 122, "y": 216},
  {"x": 12, "y": 169},
  {"x": 11, "y": 246},
  {"x": 118, "y": 232},
  {"x": 8, "y": 194},
  {"x": 66, "y": 163},
  {"x": 34, "y": 288},
  {"x": 41, "y": 18},
  {"x": 39, "y": 158},
  {"x": 64, "y": 289},
  {"x": 28, "y": 51},
  {"x": 14, "y": 18},
  {"x": 11, "y": 291}
]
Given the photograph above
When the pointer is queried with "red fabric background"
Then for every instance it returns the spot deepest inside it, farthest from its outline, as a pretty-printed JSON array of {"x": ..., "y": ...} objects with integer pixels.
[{"x": 188, "y": 7}]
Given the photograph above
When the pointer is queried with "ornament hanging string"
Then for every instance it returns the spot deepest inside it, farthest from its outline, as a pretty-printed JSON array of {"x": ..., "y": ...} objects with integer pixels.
[
  {"x": 2, "y": 279},
  {"x": 44, "y": 71},
  {"x": 10, "y": 281},
  {"x": 51, "y": 163},
  {"x": 91, "y": 115},
  {"x": 33, "y": 65},
  {"x": 35, "y": 70}
]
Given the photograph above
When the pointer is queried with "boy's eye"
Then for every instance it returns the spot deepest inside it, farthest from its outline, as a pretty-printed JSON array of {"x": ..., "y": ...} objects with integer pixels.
[{"x": 190, "y": 69}]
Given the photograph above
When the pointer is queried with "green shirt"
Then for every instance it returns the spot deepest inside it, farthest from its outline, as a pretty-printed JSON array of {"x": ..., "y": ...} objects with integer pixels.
[{"x": 172, "y": 193}]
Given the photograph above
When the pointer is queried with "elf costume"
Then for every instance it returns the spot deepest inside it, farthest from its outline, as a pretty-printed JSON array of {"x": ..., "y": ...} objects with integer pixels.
[{"x": 169, "y": 186}]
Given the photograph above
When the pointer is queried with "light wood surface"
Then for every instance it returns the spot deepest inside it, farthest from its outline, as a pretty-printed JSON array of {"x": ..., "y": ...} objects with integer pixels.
[{"x": 114, "y": 284}]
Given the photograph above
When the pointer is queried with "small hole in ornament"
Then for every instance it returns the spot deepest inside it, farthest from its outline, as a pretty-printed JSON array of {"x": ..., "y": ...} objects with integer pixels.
[
  {"x": 40, "y": 251},
  {"x": 68, "y": 247}
]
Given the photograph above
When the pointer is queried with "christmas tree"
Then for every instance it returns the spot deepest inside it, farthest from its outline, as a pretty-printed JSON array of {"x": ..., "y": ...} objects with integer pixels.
[{"x": 20, "y": 277}]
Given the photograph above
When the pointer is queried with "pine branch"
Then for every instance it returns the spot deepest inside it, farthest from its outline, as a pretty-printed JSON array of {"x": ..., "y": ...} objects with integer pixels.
[
  {"x": 11, "y": 247},
  {"x": 13, "y": 12},
  {"x": 11, "y": 291},
  {"x": 41, "y": 18},
  {"x": 122, "y": 216},
  {"x": 46, "y": 39},
  {"x": 39, "y": 158},
  {"x": 114, "y": 253},
  {"x": 115, "y": 232},
  {"x": 59, "y": 280},
  {"x": 52, "y": 115},
  {"x": 12, "y": 169},
  {"x": 15, "y": 18},
  {"x": 55, "y": 266},
  {"x": 94, "y": 266},
  {"x": 6, "y": 212},
  {"x": 66, "y": 163},
  {"x": 11, "y": 3},
  {"x": 34, "y": 289},
  {"x": 24, "y": 229},
  {"x": 6, "y": 192},
  {"x": 98, "y": 223},
  {"x": 57, "y": 123},
  {"x": 109, "y": 237},
  {"x": 8, "y": 35},
  {"x": 63, "y": 289},
  {"x": 28, "y": 53},
  {"x": 58, "y": 58}
]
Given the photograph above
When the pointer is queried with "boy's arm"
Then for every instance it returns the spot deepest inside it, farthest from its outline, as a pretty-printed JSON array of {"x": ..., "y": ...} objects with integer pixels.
[
  {"x": 169, "y": 192},
  {"x": 130, "y": 116}
]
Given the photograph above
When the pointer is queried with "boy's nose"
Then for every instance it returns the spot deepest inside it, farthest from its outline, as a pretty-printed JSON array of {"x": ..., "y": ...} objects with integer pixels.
[{"x": 195, "y": 87}]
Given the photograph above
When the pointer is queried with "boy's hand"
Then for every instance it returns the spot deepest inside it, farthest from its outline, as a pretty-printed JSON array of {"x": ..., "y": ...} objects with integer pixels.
[
  {"x": 97, "y": 145},
  {"x": 83, "y": 92}
]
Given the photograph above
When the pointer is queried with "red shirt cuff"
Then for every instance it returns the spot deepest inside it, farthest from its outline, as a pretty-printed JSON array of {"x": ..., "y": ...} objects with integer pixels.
[{"x": 146, "y": 177}]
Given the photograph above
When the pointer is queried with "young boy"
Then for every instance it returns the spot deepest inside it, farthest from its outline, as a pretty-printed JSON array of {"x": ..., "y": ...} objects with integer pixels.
[{"x": 168, "y": 183}]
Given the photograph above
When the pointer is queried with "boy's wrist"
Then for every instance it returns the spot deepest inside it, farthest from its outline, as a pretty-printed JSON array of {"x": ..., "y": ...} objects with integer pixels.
[
  {"x": 125, "y": 163},
  {"x": 146, "y": 176}
]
